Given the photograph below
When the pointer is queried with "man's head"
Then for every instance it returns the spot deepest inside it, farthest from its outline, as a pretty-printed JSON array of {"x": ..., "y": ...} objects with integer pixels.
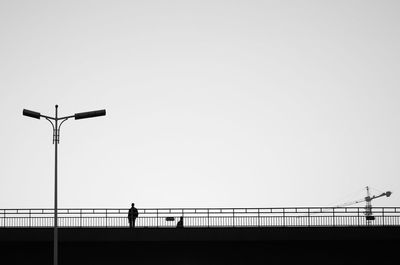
[{"x": 133, "y": 205}]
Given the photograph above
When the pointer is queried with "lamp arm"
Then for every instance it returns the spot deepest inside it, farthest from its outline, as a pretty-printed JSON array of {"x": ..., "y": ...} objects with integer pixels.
[
  {"x": 52, "y": 125},
  {"x": 47, "y": 117},
  {"x": 59, "y": 126},
  {"x": 66, "y": 117}
]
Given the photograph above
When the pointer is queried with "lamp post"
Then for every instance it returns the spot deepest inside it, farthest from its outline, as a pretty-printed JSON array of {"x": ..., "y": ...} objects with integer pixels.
[{"x": 56, "y": 140}]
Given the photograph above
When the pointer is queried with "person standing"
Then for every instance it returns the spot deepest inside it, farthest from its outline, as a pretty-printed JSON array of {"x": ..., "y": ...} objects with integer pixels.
[
  {"x": 180, "y": 223},
  {"x": 132, "y": 215}
]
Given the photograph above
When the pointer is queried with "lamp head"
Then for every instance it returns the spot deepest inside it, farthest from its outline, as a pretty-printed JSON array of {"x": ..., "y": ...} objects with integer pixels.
[
  {"x": 90, "y": 114},
  {"x": 30, "y": 113}
]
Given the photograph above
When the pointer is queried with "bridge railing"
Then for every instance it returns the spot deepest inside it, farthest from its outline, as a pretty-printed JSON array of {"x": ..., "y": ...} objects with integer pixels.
[{"x": 205, "y": 217}]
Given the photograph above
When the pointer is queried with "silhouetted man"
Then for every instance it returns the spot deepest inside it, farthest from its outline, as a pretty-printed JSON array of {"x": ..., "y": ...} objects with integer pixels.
[
  {"x": 180, "y": 223},
  {"x": 132, "y": 215}
]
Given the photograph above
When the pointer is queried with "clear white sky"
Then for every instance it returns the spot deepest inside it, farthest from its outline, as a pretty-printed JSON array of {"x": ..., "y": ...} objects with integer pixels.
[{"x": 209, "y": 103}]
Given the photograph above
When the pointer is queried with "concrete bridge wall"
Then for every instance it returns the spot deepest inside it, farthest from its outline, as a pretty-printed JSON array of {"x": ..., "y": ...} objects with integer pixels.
[{"x": 279, "y": 245}]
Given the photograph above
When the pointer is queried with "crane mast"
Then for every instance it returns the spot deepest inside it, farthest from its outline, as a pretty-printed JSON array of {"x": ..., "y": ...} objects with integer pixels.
[{"x": 368, "y": 207}]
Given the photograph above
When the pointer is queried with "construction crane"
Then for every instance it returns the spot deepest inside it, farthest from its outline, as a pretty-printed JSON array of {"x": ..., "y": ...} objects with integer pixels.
[{"x": 368, "y": 206}]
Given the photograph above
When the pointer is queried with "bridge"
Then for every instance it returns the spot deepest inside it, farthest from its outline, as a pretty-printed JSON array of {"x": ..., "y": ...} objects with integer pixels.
[{"x": 310, "y": 235}]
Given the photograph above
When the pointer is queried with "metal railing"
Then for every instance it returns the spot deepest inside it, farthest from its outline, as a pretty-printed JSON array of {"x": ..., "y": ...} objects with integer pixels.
[{"x": 205, "y": 217}]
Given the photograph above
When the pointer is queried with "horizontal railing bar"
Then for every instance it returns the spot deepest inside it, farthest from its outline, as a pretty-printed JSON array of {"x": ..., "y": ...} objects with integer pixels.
[
  {"x": 180, "y": 209},
  {"x": 205, "y": 210}
]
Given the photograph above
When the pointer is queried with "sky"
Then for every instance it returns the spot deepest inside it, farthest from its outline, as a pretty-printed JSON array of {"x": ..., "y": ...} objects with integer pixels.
[{"x": 209, "y": 103}]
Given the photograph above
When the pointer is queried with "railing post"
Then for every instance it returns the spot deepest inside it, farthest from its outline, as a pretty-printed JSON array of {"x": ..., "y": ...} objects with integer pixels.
[
  {"x": 80, "y": 217},
  {"x": 258, "y": 217},
  {"x": 233, "y": 214},
  {"x": 333, "y": 216},
  {"x": 117, "y": 220},
  {"x": 308, "y": 219},
  {"x": 106, "y": 218},
  {"x": 383, "y": 216},
  {"x": 208, "y": 217},
  {"x": 284, "y": 217},
  {"x": 157, "y": 217}
]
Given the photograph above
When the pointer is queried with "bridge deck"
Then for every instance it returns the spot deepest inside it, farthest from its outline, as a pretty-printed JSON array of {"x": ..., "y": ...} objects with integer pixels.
[{"x": 200, "y": 234}]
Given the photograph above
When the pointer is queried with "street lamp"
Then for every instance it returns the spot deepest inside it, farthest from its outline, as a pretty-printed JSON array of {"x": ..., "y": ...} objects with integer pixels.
[{"x": 56, "y": 140}]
